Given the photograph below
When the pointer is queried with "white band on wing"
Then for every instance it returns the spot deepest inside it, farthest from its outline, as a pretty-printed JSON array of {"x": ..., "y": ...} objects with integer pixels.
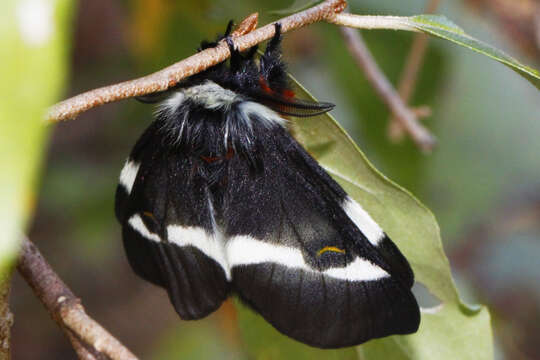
[
  {"x": 363, "y": 221},
  {"x": 138, "y": 225},
  {"x": 129, "y": 174},
  {"x": 211, "y": 245},
  {"x": 245, "y": 250}
]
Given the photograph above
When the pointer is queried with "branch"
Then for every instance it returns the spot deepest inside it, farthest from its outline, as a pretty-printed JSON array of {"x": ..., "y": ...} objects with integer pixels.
[
  {"x": 409, "y": 75},
  {"x": 172, "y": 75},
  {"x": 383, "y": 87},
  {"x": 6, "y": 317},
  {"x": 89, "y": 339},
  {"x": 537, "y": 27},
  {"x": 246, "y": 36},
  {"x": 370, "y": 22}
]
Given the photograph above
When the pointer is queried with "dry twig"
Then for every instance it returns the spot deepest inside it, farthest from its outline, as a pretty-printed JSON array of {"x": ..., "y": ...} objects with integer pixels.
[
  {"x": 170, "y": 76},
  {"x": 6, "y": 318},
  {"x": 246, "y": 36},
  {"x": 409, "y": 75},
  {"x": 370, "y": 22},
  {"x": 383, "y": 87},
  {"x": 89, "y": 339}
]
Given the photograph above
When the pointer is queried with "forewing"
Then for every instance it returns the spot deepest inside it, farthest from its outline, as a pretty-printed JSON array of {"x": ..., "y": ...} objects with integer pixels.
[
  {"x": 169, "y": 235},
  {"x": 308, "y": 258}
]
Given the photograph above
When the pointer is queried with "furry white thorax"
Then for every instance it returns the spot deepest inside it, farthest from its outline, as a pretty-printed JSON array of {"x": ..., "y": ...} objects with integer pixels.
[
  {"x": 209, "y": 95},
  {"x": 213, "y": 97},
  {"x": 267, "y": 116}
]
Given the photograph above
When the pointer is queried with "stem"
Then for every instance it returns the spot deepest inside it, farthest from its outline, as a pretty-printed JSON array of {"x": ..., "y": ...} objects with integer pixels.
[
  {"x": 6, "y": 317},
  {"x": 89, "y": 339},
  {"x": 172, "y": 75},
  {"x": 384, "y": 89},
  {"x": 409, "y": 75},
  {"x": 372, "y": 22}
]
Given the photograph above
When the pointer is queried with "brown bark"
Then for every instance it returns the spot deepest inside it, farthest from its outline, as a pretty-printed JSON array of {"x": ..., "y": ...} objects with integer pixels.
[
  {"x": 89, "y": 339},
  {"x": 6, "y": 318}
]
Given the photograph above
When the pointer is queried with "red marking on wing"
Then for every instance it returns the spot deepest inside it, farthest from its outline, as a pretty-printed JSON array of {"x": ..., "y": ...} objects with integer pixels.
[
  {"x": 264, "y": 86},
  {"x": 230, "y": 154},
  {"x": 288, "y": 94},
  {"x": 211, "y": 159}
]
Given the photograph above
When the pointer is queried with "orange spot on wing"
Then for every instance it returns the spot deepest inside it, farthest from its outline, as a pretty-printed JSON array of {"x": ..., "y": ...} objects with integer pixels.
[
  {"x": 330, "y": 249},
  {"x": 149, "y": 214}
]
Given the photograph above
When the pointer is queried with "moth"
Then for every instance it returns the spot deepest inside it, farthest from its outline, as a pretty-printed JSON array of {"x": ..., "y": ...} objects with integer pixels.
[{"x": 217, "y": 198}]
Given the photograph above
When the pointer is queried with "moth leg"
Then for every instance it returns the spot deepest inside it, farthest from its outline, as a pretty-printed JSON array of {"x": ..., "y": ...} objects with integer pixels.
[
  {"x": 228, "y": 31},
  {"x": 210, "y": 44},
  {"x": 272, "y": 69},
  {"x": 251, "y": 52},
  {"x": 236, "y": 57},
  {"x": 274, "y": 46}
]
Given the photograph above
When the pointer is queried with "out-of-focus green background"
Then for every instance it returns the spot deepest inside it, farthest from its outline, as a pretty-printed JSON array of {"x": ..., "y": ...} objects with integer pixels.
[{"x": 482, "y": 181}]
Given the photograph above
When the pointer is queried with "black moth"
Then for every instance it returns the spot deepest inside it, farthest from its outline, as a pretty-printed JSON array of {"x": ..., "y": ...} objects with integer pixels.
[{"x": 218, "y": 198}]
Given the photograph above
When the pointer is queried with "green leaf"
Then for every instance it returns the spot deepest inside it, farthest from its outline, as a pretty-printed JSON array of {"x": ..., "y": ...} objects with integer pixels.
[
  {"x": 262, "y": 341},
  {"x": 441, "y": 27},
  {"x": 296, "y": 6},
  {"x": 452, "y": 330},
  {"x": 200, "y": 340},
  {"x": 33, "y": 38}
]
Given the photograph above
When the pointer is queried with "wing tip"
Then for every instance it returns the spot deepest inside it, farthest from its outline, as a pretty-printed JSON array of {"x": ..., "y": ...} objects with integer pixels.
[{"x": 323, "y": 318}]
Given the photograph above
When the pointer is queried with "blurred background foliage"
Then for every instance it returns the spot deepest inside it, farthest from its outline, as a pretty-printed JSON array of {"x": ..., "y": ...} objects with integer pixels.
[
  {"x": 482, "y": 181},
  {"x": 34, "y": 57}
]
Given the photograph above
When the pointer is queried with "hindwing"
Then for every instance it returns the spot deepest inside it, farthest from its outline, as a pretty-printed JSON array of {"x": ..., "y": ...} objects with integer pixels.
[
  {"x": 309, "y": 258},
  {"x": 170, "y": 238}
]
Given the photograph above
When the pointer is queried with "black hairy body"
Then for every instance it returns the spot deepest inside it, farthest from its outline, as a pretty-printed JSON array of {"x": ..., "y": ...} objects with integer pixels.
[{"x": 217, "y": 197}]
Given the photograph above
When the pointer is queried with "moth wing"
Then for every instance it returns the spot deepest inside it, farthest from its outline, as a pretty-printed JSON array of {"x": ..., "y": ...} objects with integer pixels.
[
  {"x": 164, "y": 207},
  {"x": 302, "y": 258}
]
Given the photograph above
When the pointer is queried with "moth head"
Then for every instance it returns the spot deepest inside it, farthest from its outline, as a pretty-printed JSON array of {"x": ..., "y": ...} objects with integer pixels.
[{"x": 285, "y": 102}]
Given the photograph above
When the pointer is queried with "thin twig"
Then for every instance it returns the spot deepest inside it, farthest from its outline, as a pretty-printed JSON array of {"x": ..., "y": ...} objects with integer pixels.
[
  {"x": 371, "y": 22},
  {"x": 409, "y": 75},
  {"x": 383, "y": 87},
  {"x": 6, "y": 317},
  {"x": 537, "y": 26},
  {"x": 89, "y": 339},
  {"x": 170, "y": 76}
]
